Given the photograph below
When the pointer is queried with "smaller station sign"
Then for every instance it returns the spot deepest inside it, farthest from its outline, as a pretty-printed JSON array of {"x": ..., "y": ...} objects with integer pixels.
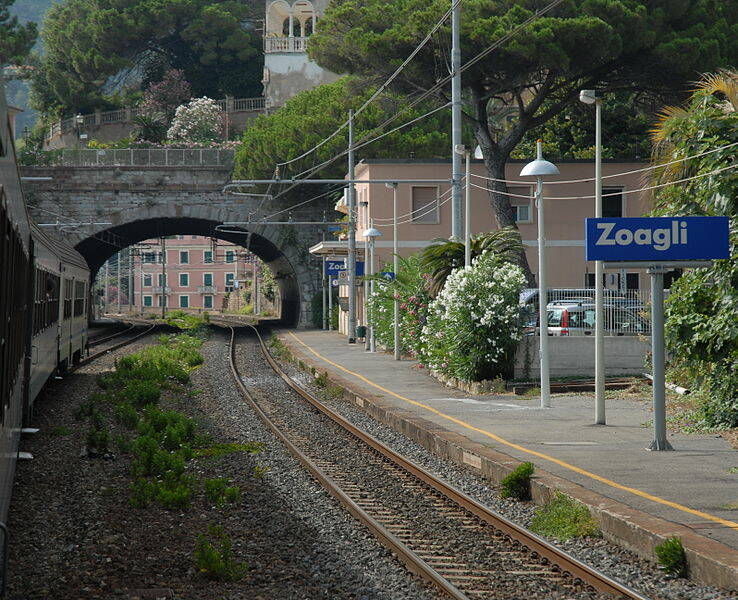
[
  {"x": 657, "y": 239},
  {"x": 334, "y": 267}
]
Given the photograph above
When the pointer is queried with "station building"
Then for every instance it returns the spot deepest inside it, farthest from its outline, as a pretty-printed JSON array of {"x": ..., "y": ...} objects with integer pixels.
[{"x": 424, "y": 214}]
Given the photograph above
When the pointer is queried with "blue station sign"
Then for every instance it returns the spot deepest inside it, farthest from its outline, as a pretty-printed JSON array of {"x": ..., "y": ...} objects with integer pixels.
[
  {"x": 333, "y": 267},
  {"x": 656, "y": 239}
]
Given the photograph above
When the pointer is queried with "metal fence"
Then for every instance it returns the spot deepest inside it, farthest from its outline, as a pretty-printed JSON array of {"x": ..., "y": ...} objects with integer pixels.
[
  {"x": 142, "y": 157},
  {"x": 572, "y": 312}
]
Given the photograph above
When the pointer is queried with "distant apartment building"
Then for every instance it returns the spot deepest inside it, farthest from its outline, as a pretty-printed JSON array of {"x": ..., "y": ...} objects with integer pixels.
[
  {"x": 287, "y": 68},
  {"x": 198, "y": 273}
]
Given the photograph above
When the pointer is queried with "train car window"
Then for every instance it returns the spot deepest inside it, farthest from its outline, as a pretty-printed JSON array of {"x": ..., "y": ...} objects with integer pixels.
[
  {"x": 68, "y": 293},
  {"x": 79, "y": 298}
]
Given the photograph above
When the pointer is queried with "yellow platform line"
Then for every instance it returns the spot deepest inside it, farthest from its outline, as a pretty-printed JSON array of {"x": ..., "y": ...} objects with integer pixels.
[{"x": 505, "y": 442}]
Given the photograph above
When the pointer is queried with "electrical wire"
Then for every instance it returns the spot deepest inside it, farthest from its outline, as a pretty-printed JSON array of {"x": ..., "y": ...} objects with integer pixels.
[
  {"x": 621, "y": 192},
  {"x": 448, "y": 191},
  {"x": 415, "y": 215},
  {"x": 442, "y": 82},
  {"x": 590, "y": 179},
  {"x": 382, "y": 88}
]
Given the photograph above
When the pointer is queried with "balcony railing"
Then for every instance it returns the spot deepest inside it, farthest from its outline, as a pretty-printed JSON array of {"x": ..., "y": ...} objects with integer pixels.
[
  {"x": 157, "y": 290},
  {"x": 285, "y": 44},
  {"x": 207, "y": 289}
]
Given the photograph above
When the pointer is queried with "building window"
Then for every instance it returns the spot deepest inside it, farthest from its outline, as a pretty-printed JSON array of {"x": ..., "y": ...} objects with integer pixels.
[
  {"x": 425, "y": 204},
  {"x": 148, "y": 257},
  {"x": 207, "y": 279},
  {"x": 194, "y": 237},
  {"x": 148, "y": 301},
  {"x": 159, "y": 300},
  {"x": 612, "y": 206},
  {"x": 184, "y": 257},
  {"x": 230, "y": 256},
  {"x": 184, "y": 301},
  {"x": 632, "y": 281},
  {"x": 207, "y": 301},
  {"x": 162, "y": 279},
  {"x": 147, "y": 280},
  {"x": 208, "y": 256},
  {"x": 229, "y": 282},
  {"x": 184, "y": 280},
  {"x": 521, "y": 206}
]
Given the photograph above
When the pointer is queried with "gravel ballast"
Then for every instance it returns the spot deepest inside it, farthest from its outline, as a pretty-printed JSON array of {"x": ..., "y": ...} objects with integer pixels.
[
  {"x": 605, "y": 556},
  {"x": 75, "y": 534}
]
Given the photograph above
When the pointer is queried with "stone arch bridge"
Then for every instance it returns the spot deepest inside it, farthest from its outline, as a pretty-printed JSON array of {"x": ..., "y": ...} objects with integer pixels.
[{"x": 103, "y": 209}]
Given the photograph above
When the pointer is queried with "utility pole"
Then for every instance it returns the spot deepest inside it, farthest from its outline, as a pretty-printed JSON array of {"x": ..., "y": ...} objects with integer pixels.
[
  {"x": 351, "y": 266},
  {"x": 118, "y": 258},
  {"x": 600, "y": 418},
  {"x": 131, "y": 296},
  {"x": 456, "y": 232},
  {"x": 253, "y": 289},
  {"x": 105, "y": 287},
  {"x": 163, "y": 277}
]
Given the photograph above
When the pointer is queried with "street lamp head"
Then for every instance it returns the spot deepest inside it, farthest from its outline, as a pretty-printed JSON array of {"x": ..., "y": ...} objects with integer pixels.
[
  {"x": 79, "y": 120},
  {"x": 372, "y": 232},
  {"x": 391, "y": 186},
  {"x": 539, "y": 167},
  {"x": 460, "y": 149},
  {"x": 589, "y": 96}
]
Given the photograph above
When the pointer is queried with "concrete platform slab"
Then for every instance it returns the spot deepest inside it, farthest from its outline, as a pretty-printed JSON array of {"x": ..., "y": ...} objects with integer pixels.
[{"x": 691, "y": 492}]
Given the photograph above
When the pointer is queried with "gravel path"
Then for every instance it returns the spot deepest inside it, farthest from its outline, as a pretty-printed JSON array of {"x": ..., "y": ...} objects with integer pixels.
[{"x": 597, "y": 552}]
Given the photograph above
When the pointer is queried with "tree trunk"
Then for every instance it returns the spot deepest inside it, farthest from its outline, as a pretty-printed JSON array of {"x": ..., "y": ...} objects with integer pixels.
[{"x": 501, "y": 207}]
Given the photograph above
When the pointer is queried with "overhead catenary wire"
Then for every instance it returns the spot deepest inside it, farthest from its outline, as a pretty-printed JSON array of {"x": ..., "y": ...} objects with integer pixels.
[
  {"x": 622, "y": 174},
  {"x": 620, "y": 192}
]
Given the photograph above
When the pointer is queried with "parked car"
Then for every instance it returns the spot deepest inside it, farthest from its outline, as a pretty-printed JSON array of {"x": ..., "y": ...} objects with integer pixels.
[{"x": 579, "y": 319}]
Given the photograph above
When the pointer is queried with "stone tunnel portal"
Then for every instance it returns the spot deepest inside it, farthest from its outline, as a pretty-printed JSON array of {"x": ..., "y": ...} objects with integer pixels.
[{"x": 99, "y": 247}]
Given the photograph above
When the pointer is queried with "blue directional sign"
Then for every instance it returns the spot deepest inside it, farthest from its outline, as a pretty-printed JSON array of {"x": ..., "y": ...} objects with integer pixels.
[
  {"x": 333, "y": 267},
  {"x": 388, "y": 275},
  {"x": 656, "y": 238}
]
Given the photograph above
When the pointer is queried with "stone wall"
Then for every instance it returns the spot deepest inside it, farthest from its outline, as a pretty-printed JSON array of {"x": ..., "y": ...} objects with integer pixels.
[{"x": 101, "y": 210}]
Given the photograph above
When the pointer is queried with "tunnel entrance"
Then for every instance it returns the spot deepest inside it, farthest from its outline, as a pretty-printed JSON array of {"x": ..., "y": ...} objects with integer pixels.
[{"x": 98, "y": 248}]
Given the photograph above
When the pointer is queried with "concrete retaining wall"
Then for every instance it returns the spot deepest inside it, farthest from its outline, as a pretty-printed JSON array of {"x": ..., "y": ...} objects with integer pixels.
[{"x": 624, "y": 355}]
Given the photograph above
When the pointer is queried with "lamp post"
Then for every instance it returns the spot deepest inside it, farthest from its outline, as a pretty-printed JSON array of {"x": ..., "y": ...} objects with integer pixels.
[
  {"x": 370, "y": 234},
  {"x": 594, "y": 97},
  {"x": 538, "y": 168},
  {"x": 395, "y": 266},
  {"x": 461, "y": 149}
]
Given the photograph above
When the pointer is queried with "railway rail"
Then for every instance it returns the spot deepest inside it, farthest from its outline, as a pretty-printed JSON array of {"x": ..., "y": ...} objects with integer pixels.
[
  {"x": 117, "y": 344},
  {"x": 463, "y": 548},
  {"x": 96, "y": 341}
]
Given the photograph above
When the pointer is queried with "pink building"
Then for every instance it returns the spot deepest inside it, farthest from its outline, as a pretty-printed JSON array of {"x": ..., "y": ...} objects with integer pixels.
[{"x": 197, "y": 274}]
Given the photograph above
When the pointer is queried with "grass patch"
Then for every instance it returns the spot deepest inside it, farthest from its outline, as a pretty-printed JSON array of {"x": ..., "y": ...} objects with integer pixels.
[
  {"x": 218, "y": 450},
  {"x": 733, "y": 470},
  {"x": 534, "y": 391},
  {"x": 517, "y": 484},
  {"x": 563, "y": 519},
  {"x": 671, "y": 557},
  {"x": 219, "y": 492},
  {"x": 280, "y": 349}
]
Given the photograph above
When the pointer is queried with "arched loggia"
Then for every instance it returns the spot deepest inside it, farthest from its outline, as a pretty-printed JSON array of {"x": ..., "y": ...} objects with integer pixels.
[{"x": 99, "y": 247}]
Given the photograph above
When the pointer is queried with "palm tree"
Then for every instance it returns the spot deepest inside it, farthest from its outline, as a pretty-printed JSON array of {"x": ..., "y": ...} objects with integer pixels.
[
  {"x": 671, "y": 120},
  {"x": 443, "y": 256},
  {"x": 149, "y": 128}
]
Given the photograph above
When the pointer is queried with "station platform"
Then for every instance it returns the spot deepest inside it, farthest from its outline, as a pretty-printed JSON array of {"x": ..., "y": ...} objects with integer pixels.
[{"x": 640, "y": 497}]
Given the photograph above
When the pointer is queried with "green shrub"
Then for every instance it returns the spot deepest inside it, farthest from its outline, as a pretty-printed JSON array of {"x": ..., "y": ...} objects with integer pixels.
[
  {"x": 124, "y": 445},
  {"x": 140, "y": 393},
  {"x": 206, "y": 316},
  {"x": 218, "y": 563},
  {"x": 126, "y": 415},
  {"x": 84, "y": 410},
  {"x": 563, "y": 518},
  {"x": 98, "y": 440},
  {"x": 60, "y": 431},
  {"x": 175, "y": 491},
  {"x": 143, "y": 492},
  {"x": 322, "y": 380},
  {"x": 218, "y": 491},
  {"x": 517, "y": 484},
  {"x": 671, "y": 557}
]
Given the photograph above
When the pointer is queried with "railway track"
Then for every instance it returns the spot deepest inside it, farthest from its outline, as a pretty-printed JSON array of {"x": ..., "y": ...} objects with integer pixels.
[
  {"x": 104, "y": 338},
  {"x": 441, "y": 534},
  {"x": 115, "y": 343}
]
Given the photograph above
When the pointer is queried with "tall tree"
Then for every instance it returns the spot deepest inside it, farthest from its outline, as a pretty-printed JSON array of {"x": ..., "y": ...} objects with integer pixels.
[
  {"x": 94, "y": 45},
  {"x": 653, "y": 46},
  {"x": 16, "y": 40}
]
